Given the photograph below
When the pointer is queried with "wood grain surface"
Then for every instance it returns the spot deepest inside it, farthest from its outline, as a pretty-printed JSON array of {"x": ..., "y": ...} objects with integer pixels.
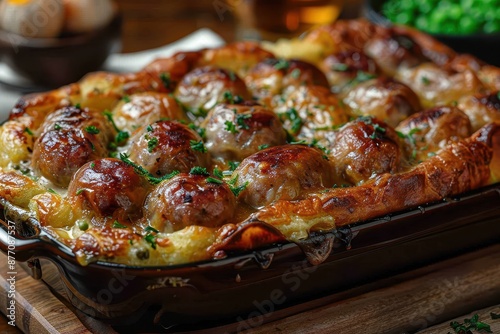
[{"x": 412, "y": 301}]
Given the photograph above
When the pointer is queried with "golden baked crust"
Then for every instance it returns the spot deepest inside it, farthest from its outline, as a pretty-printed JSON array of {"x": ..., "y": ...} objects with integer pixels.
[{"x": 234, "y": 148}]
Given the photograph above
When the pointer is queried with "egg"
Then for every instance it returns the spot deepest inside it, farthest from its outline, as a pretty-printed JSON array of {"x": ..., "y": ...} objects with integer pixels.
[
  {"x": 32, "y": 18},
  {"x": 87, "y": 15}
]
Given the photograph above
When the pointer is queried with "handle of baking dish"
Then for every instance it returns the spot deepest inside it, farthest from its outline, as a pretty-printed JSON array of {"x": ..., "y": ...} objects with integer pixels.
[{"x": 18, "y": 248}]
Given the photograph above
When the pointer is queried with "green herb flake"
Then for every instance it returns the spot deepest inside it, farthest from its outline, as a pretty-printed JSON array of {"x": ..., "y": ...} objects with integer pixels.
[
  {"x": 126, "y": 99},
  {"x": 78, "y": 106},
  {"x": 52, "y": 191},
  {"x": 93, "y": 130},
  {"x": 28, "y": 131},
  {"x": 230, "y": 127},
  {"x": 237, "y": 190},
  {"x": 282, "y": 64},
  {"x": 116, "y": 224},
  {"x": 233, "y": 165},
  {"x": 295, "y": 73},
  {"x": 201, "y": 131},
  {"x": 151, "y": 239},
  {"x": 263, "y": 146},
  {"x": 150, "y": 229},
  {"x": 218, "y": 173},
  {"x": 293, "y": 116},
  {"x": 152, "y": 143},
  {"x": 92, "y": 165},
  {"x": 232, "y": 76},
  {"x": 144, "y": 172},
  {"x": 340, "y": 67},
  {"x": 57, "y": 126},
  {"x": 425, "y": 81},
  {"x": 199, "y": 171},
  {"x": 240, "y": 120},
  {"x": 470, "y": 324},
  {"x": 214, "y": 180},
  {"x": 80, "y": 191},
  {"x": 149, "y": 128},
  {"x": 165, "y": 79},
  {"x": 198, "y": 146}
]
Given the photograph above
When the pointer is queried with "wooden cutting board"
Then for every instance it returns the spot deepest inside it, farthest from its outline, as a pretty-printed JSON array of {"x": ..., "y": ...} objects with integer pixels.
[{"x": 419, "y": 299}]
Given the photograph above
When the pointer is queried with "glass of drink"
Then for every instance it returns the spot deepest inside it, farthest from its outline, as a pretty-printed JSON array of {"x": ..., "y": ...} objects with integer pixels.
[{"x": 274, "y": 19}]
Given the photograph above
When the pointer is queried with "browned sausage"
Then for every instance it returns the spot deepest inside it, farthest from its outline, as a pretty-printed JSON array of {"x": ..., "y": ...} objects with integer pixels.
[
  {"x": 166, "y": 146},
  {"x": 187, "y": 200},
  {"x": 236, "y": 131}
]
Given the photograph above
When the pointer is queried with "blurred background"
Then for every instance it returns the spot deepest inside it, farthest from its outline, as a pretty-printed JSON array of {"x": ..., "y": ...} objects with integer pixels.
[{"x": 152, "y": 23}]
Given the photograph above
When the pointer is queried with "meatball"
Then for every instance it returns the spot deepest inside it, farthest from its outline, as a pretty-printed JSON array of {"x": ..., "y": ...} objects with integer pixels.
[
  {"x": 166, "y": 146},
  {"x": 171, "y": 70},
  {"x": 481, "y": 108},
  {"x": 394, "y": 51},
  {"x": 430, "y": 130},
  {"x": 282, "y": 173},
  {"x": 437, "y": 86},
  {"x": 108, "y": 188},
  {"x": 70, "y": 137},
  {"x": 202, "y": 88},
  {"x": 365, "y": 148},
  {"x": 234, "y": 132},
  {"x": 386, "y": 99},
  {"x": 344, "y": 69},
  {"x": 187, "y": 200},
  {"x": 271, "y": 76},
  {"x": 311, "y": 112},
  {"x": 146, "y": 108}
]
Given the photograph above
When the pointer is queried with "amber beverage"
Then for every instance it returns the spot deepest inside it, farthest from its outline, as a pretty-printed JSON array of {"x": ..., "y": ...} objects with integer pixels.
[{"x": 273, "y": 19}]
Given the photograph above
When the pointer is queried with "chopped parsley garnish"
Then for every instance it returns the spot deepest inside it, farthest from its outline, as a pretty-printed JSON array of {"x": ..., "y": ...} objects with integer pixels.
[
  {"x": 377, "y": 131},
  {"x": 151, "y": 229},
  {"x": 263, "y": 146},
  {"x": 409, "y": 137},
  {"x": 165, "y": 79},
  {"x": 230, "y": 127},
  {"x": 116, "y": 224},
  {"x": 28, "y": 131},
  {"x": 425, "y": 81},
  {"x": 230, "y": 98},
  {"x": 214, "y": 180},
  {"x": 282, "y": 64},
  {"x": 78, "y": 106},
  {"x": 295, "y": 73},
  {"x": 218, "y": 173},
  {"x": 237, "y": 190},
  {"x": 150, "y": 236},
  {"x": 199, "y": 171},
  {"x": 293, "y": 116},
  {"x": 80, "y": 191},
  {"x": 198, "y": 146},
  {"x": 57, "y": 127},
  {"x": 240, "y": 120},
  {"x": 149, "y": 128},
  {"x": 126, "y": 98},
  {"x": 92, "y": 164},
  {"x": 470, "y": 324},
  {"x": 93, "y": 130},
  {"x": 121, "y": 136},
  {"x": 361, "y": 76},
  {"x": 233, "y": 165},
  {"x": 152, "y": 143},
  {"x": 52, "y": 191},
  {"x": 143, "y": 172},
  {"x": 340, "y": 67}
]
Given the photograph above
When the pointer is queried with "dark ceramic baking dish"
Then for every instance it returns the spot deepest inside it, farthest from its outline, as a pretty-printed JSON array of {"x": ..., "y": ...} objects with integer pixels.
[{"x": 243, "y": 286}]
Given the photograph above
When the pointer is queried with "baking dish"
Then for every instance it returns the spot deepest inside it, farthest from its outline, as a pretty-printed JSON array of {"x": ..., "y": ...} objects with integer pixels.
[{"x": 242, "y": 288}]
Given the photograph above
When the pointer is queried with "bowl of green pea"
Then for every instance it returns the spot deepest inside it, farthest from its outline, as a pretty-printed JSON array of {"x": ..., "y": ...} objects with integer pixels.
[{"x": 467, "y": 26}]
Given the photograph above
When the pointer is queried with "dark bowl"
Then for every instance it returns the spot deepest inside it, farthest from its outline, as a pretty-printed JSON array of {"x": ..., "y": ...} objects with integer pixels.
[
  {"x": 53, "y": 62},
  {"x": 484, "y": 46}
]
